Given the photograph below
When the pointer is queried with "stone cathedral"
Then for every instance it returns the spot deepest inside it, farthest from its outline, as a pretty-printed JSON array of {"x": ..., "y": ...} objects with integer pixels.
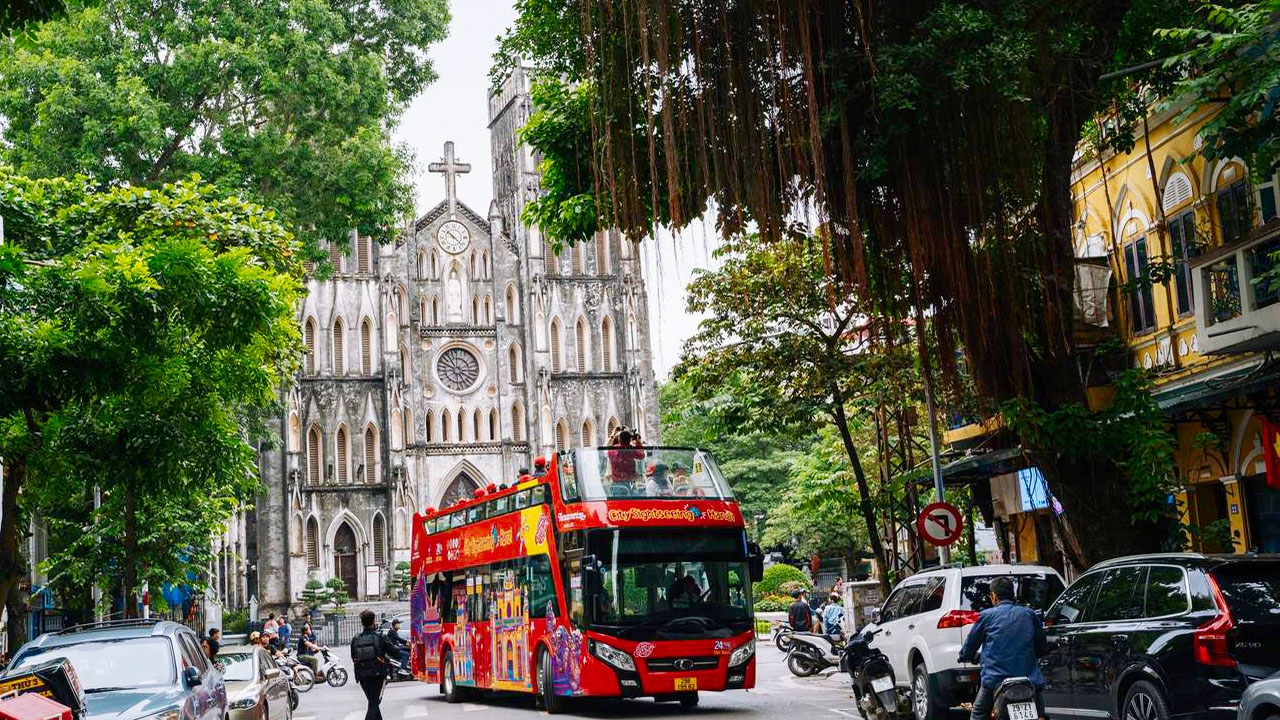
[{"x": 436, "y": 366}]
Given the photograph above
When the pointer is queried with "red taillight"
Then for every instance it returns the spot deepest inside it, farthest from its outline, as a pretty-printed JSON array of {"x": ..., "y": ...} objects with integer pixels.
[
  {"x": 957, "y": 618},
  {"x": 1210, "y": 639}
]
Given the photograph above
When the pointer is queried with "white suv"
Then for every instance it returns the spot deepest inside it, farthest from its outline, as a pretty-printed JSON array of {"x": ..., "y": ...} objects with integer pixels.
[{"x": 927, "y": 617}]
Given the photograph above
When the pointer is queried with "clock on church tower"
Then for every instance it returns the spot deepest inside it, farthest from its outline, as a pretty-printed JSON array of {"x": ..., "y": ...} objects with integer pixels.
[{"x": 454, "y": 237}]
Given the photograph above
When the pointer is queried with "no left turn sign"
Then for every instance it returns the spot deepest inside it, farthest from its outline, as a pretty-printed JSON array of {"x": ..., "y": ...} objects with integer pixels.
[{"x": 940, "y": 524}]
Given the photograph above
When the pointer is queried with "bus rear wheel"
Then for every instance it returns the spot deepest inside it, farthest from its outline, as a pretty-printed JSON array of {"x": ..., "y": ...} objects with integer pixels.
[{"x": 551, "y": 702}]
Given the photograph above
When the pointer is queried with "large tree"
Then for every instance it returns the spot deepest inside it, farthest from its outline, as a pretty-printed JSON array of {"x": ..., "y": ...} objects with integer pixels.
[
  {"x": 138, "y": 328},
  {"x": 932, "y": 140},
  {"x": 285, "y": 103}
]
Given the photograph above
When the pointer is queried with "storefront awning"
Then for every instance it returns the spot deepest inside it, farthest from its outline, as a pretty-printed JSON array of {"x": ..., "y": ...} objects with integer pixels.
[
  {"x": 1201, "y": 392},
  {"x": 983, "y": 465}
]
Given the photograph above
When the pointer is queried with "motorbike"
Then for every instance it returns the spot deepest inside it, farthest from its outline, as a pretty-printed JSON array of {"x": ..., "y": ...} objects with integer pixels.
[
  {"x": 328, "y": 669},
  {"x": 782, "y": 635},
  {"x": 1015, "y": 699},
  {"x": 397, "y": 671},
  {"x": 871, "y": 675},
  {"x": 812, "y": 653},
  {"x": 294, "y": 697},
  {"x": 299, "y": 674}
]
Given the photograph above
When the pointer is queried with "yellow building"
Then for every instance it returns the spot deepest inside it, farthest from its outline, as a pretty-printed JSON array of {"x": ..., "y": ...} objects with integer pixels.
[{"x": 1198, "y": 231}]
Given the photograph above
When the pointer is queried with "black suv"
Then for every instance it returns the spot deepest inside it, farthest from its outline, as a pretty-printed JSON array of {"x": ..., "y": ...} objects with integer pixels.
[{"x": 1153, "y": 636}]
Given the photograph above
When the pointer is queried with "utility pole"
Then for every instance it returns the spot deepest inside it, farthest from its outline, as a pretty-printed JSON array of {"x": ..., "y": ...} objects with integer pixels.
[{"x": 944, "y": 552}]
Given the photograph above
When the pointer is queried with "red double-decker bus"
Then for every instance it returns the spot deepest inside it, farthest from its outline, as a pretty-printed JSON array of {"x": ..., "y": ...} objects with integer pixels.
[{"x": 623, "y": 572}]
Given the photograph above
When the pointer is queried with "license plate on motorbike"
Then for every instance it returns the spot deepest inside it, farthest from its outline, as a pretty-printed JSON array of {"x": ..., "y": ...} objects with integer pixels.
[
  {"x": 1023, "y": 711},
  {"x": 881, "y": 684},
  {"x": 683, "y": 684}
]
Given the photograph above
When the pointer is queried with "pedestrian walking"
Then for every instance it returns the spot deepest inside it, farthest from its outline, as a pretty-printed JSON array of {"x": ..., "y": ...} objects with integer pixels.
[
  {"x": 370, "y": 652},
  {"x": 285, "y": 631}
]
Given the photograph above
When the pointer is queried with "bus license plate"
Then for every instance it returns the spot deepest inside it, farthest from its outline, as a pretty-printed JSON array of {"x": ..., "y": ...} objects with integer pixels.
[
  {"x": 1022, "y": 711},
  {"x": 686, "y": 684},
  {"x": 881, "y": 684}
]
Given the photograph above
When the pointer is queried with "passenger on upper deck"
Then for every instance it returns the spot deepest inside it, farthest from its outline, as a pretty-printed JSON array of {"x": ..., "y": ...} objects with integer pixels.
[
  {"x": 657, "y": 485},
  {"x": 623, "y": 459}
]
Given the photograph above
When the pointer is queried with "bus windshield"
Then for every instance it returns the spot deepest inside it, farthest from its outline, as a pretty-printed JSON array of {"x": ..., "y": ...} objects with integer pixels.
[
  {"x": 662, "y": 473},
  {"x": 658, "y": 584}
]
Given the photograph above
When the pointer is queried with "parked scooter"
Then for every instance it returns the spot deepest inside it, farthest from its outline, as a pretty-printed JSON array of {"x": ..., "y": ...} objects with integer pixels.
[
  {"x": 782, "y": 635},
  {"x": 812, "y": 653},
  {"x": 871, "y": 675},
  {"x": 1015, "y": 699}
]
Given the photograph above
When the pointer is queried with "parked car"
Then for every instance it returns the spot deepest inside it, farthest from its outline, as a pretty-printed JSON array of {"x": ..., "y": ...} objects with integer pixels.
[
  {"x": 1261, "y": 700},
  {"x": 925, "y": 620},
  {"x": 1153, "y": 636},
  {"x": 256, "y": 687},
  {"x": 133, "y": 669}
]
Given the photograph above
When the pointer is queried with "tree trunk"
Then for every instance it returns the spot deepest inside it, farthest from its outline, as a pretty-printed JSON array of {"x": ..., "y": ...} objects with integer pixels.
[
  {"x": 13, "y": 566},
  {"x": 864, "y": 491},
  {"x": 130, "y": 574}
]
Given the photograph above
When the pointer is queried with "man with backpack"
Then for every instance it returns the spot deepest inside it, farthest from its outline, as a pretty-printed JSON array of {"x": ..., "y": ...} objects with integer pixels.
[{"x": 370, "y": 652}]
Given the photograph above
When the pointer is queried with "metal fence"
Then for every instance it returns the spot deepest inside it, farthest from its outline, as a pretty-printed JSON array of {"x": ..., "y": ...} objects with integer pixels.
[{"x": 336, "y": 631}]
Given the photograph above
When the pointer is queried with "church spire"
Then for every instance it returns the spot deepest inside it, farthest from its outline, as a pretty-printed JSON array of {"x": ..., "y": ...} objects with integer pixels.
[{"x": 451, "y": 168}]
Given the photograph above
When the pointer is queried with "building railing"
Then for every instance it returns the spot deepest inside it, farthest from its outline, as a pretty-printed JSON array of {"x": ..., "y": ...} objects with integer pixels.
[{"x": 1237, "y": 308}]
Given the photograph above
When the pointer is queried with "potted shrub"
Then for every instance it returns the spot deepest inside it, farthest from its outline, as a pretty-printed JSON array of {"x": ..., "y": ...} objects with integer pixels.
[
  {"x": 338, "y": 596},
  {"x": 314, "y": 594},
  {"x": 403, "y": 580}
]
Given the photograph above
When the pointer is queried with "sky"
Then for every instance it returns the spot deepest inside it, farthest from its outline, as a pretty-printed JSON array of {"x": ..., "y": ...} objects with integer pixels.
[{"x": 455, "y": 108}]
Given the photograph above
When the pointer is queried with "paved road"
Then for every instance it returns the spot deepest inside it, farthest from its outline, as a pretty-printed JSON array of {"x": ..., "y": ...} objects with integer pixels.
[{"x": 778, "y": 694}]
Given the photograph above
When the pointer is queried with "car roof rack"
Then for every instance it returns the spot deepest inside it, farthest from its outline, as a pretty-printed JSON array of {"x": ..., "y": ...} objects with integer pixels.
[
  {"x": 108, "y": 624},
  {"x": 1150, "y": 556}
]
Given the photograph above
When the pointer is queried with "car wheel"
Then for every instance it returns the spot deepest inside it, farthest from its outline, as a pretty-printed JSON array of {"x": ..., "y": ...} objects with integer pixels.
[
  {"x": 924, "y": 706},
  {"x": 1144, "y": 701},
  {"x": 551, "y": 702},
  {"x": 448, "y": 683}
]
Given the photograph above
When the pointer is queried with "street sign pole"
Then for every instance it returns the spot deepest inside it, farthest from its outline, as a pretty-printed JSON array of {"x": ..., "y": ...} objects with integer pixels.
[{"x": 944, "y": 553}]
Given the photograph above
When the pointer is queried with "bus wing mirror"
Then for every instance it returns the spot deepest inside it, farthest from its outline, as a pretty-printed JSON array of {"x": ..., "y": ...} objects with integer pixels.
[
  {"x": 591, "y": 581},
  {"x": 755, "y": 562}
]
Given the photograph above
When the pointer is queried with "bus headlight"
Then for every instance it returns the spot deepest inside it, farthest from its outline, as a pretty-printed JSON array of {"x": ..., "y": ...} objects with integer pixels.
[
  {"x": 613, "y": 656},
  {"x": 743, "y": 653}
]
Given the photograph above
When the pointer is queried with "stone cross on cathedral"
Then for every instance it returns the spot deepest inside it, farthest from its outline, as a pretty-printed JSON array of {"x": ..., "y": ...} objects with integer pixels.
[{"x": 451, "y": 169}]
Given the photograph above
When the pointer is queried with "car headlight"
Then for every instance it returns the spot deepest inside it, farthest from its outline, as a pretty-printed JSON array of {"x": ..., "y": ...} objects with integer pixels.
[
  {"x": 243, "y": 703},
  {"x": 743, "y": 653},
  {"x": 613, "y": 656},
  {"x": 172, "y": 713}
]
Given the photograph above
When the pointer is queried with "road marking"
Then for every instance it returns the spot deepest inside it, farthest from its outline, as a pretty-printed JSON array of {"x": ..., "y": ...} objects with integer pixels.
[
  {"x": 472, "y": 707},
  {"x": 414, "y": 711},
  {"x": 304, "y": 717},
  {"x": 353, "y": 715},
  {"x": 846, "y": 713}
]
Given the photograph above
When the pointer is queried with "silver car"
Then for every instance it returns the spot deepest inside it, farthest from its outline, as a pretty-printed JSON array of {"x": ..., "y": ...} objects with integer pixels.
[
  {"x": 256, "y": 687},
  {"x": 1261, "y": 700}
]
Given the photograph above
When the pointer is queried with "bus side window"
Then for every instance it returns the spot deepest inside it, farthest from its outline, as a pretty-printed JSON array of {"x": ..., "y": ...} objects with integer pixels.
[
  {"x": 522, "y": 499},
  {"x": 501, "y": 505},
  {"x": 539, "y": 494},
  {"x": 542, "y": 589},
  {"x": 448, "y": 610},
  {"x": 568, "y": 477}
]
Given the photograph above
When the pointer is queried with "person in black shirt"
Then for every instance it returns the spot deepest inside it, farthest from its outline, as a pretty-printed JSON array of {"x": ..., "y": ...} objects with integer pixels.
[
  {"x": 215, "y": 642},
  {"x": 401, "y": 645},
  {"x": 800, "y": 615},
  {"x": 370, "y": 651},
  {"x": 307, "y": 647}
]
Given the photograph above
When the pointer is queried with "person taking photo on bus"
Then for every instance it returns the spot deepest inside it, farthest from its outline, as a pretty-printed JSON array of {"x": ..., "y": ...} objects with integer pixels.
[{"x": 1011, "y": 639}]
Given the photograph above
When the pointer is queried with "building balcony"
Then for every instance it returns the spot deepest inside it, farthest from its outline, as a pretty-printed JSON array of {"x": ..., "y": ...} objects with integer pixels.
[{"x": 1236, "y": 311}]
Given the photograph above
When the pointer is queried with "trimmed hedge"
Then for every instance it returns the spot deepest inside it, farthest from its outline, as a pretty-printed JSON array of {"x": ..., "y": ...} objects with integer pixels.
[{"x": 775, "y": 576}]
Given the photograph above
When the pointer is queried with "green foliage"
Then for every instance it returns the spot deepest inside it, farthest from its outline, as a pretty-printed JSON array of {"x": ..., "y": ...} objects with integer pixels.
[
  {"x": 337, "y": 592},
  {"x": 565, "y": 209},
  {"x": 314, "y": 594},
  {"x": 404, "y": 576},
  {"x": 1231, "y": 62},
  {"x": 773, "y": 603},
  {"x": 139, "y": 329},
  {"x": 283, "y": 103},
  {"x": 235, "y": 621},
  {"x": 775, "y": 576}
]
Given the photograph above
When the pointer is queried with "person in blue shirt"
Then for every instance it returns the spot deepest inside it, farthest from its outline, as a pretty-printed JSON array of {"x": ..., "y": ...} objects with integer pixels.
[
  {"x": 832, "y": 614},
  {"x": 1011, "y": 638}
]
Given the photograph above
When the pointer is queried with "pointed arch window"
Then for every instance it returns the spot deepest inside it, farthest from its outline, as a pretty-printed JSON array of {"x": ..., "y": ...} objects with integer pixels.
[
  {"x": 309, "y": 338},
  {"x": 562, "y": 435},
  {"x": 473, "y": 265},
  {"x": 313, "y": 543},
  {"x": 422, "y": 265},
  {"x": 435, "y": 311},
  {"x": 555, "y": 346},
  {"x": 335, "y": 257},
  {"x": 602, "y": 253},
  {"x": 588, "y": 434},
  {"x": 298, "y": 538},
  {"x": 549, "y": 258},
  {"x": 429, "y": 432},
  {"x": 315, "y": 456},
  {"x": 517, "y": 422},
  {"x": 410, "y": 432},
  {"x": 493, "y": 425},
  {"x": 366, "y": 347},
  {"x": 445, "y": 423},
  {"x": 363, "y": 262},
  {"x": 475, "y": 309},
  {"x": 371, "y": 455},
  {"x": 435, "y": 266},
  {"x": 475, "y": 425},
  {"x": 580, "y": 338},
  {"x": 400, "y": 301},
  {"x": 462, "y": 424},
  {"x": 578, "y": 258},
  {"x": 342, "y": 447},
  {"x": 488, "y": 310},
  {"x": 613, "y": 425},
  {"x": 513, "y": 362},
  {"x": 513, "y": 315},
  {"x": 606, "y": 344},
  {"x": 339, "y": 351},
  {"x": 379, "y": 540}
]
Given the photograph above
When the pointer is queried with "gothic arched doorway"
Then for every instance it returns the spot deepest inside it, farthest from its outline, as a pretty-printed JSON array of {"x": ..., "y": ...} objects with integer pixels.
[
  {"x": 345, "y": 558},
  {"x": 462, "y": 487}
]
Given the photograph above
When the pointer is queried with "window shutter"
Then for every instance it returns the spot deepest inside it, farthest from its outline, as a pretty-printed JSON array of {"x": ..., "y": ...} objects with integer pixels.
[
  {"x": 555, "y": 346},
  {"x": 310, "y": 334},
  {"x": 517, "y": 424},
  {"x": 606, "y": 345},
  {"x": 313, "y": 544},
  {"x": 370, "y": 456},
  {"x": 587, "y": 440},
  {"x": 313, "y": 456},
  {"x": 366, "y": 349},
  {"x": 339, "y": 353},
  {"x": 580, "y": 335},
  {"x": 335, "y": 257},
  {"x": 1176, "y": 191},
  {"x": 562, "y": 436},
  {"x": 342, "y": 455},
  {"x": 362, "y": 255},
  {"x": 379, "y": 540}
]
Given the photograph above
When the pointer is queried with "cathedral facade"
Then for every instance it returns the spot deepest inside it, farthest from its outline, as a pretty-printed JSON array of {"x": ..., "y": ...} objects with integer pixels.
[{"x": 439, "y": 365}]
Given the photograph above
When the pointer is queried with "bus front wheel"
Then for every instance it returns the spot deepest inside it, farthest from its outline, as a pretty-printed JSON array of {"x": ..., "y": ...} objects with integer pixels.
[
  {"x": 448, "y": 683},
  {"x": 551, "y": 702}
]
